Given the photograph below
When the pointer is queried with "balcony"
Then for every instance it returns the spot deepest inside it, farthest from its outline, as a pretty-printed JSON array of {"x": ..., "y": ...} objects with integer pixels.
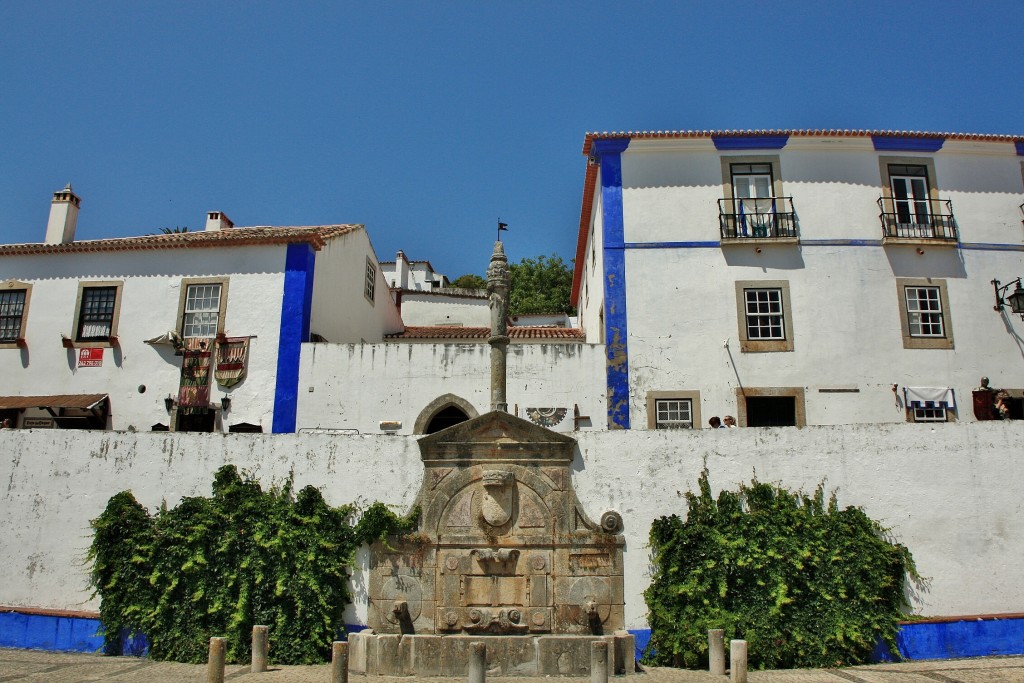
[
  {"x": 914, "y": 221},
  {"x": 765, "y": 219}
]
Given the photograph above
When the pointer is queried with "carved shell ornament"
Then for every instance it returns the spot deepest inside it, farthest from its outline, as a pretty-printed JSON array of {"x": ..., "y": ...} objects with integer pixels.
[{"x": 546, "y": 417}]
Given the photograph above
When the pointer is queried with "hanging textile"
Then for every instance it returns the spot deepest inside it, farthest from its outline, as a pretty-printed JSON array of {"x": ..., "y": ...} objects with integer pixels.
[
  {"x": 232, "y": 354},
  {"x": 929, "y": 397},
  {"x": 194, "y": 391}
]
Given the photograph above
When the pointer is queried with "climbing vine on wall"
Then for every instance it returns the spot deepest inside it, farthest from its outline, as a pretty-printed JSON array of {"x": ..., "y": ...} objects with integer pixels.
[
  {"x": 216, "y": 566},
  {"x": 804, "y": 583}
]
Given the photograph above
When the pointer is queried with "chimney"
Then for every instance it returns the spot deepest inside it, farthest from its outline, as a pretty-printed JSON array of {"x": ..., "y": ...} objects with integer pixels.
[
  {"x": 401, "y": 270},
  {"x": 60, "y": 229},
  {"x": 216, "y": 220}
]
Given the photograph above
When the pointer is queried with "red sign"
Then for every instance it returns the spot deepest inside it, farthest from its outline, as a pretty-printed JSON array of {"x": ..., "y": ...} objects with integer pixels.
[{"x": 90, "y": 358}]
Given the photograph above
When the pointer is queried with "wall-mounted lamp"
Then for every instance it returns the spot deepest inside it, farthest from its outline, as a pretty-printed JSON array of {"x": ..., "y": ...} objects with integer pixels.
[
  {"x": 225, "y": 403},
  {"x": 169, "y": 403},
  {"x": 1015, "y": 300}
]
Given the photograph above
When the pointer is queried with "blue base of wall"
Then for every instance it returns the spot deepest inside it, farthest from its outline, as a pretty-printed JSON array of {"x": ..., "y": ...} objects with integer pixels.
[
  {"x": 942, "y": 639},
  {"x": 945, "y": 639},
  {"x": 44, "y": 632}
]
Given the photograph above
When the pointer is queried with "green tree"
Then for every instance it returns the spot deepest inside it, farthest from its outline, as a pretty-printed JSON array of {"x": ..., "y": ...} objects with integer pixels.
[
  {"x": 469, "y": 281},
  {"x": 541, "y": 285}
]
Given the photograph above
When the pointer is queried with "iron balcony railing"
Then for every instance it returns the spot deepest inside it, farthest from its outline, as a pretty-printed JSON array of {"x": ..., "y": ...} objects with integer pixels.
[
  {"x": 763, "y": 217},
  {"x": 930, "y": 219}
]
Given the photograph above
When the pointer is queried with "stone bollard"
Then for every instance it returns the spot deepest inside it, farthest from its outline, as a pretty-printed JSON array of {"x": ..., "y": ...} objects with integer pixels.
[
  {"x": 260, "y": 646},
  {"x": 215, "y": 661},
  {"x": 716, "y": 651},
  {"x": 738, "y": 661},
  {"x": 599, "y": 661},
  {"x": 339, "y": 662},
  {"x": 477, "y": 662}
]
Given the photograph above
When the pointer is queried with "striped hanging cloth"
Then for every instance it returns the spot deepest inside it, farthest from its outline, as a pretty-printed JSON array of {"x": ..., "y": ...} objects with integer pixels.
[
  {"x": 194, "y": 390},
  {"x": 232, "y": 354}
]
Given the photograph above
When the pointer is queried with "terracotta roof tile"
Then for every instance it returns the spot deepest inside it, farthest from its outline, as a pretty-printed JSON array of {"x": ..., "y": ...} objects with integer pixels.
[
  {"x": 315, "y": 235},
  {"x": 51, "y": 401},
  {"x": 482, "y": 333}
]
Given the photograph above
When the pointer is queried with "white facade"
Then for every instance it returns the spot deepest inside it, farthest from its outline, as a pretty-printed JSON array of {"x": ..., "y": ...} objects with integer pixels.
[
  {"x": 449, "y": 306},
  {"x": 848, "y": 348},
  {"x": 273, "y": 286},
  {"x": 412, "y": 275},
  {"x": 357, "y": 387}
]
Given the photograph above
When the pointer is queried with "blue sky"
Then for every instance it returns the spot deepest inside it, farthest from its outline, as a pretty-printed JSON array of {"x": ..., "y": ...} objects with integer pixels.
[{"x": 428, "y": 121}]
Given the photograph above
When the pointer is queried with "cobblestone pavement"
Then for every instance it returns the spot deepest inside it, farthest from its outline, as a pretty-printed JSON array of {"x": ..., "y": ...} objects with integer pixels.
[{"x": 29, "y": 665}]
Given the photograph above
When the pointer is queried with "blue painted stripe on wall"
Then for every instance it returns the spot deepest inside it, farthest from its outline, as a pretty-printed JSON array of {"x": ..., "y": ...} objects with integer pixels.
[
  {"x": 1019, "y": 144},
  {"x": 906, "y": 143},
  {"x": 991, "y": 246},
  {"x": 296, "y": 306},
  {"x": 616, "y": 334},
  {"x": 45, "y": 632},
  {"x": 736, "y": 142},
  {"x": 672, "y": 245},
  {"x": 950, "y": 639}
]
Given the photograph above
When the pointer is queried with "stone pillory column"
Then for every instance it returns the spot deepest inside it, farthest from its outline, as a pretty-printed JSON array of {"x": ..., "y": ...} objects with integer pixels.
[{"x": 498, "y": 284}]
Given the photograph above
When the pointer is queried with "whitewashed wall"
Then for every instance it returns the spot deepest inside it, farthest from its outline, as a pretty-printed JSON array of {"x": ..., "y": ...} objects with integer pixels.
[
  {"x": 948, "y": 492},
  {"x": 431, "y": 308},
  {"x": 341, "y": 312},
  {"x": 681, "y": 300},
  {"x": 356, "y": 386},
  {"x": 149, "y": 308}
]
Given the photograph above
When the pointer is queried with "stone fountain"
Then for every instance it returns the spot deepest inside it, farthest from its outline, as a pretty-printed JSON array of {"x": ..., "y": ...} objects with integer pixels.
[{"x": 505, "y": 553}]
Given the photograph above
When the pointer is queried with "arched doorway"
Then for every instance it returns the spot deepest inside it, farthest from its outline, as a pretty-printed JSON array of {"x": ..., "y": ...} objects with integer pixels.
[
  {"x": 443, "y": 412},
  {"x": 444, "y": 419}
]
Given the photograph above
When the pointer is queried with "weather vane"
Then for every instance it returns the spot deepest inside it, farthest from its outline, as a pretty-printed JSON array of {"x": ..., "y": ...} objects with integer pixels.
[{"x": 501, "y": 226}]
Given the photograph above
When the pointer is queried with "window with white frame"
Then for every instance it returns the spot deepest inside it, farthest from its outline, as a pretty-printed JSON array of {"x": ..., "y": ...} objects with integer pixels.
[
  {"x": 924, "y": 312},
  {"x": 673, "y": 409},
  {"x": 937, "y": 414},
  {"x": 12, "y": 311},
  {"x": 764, "y": 314},
  {"x": 371, "y": 280},
  {"x": 202, "y": 310},
  {"x": 929, "y": 404},
  {"x": 673, "y": 413},
  {"x": 909, "y": 185}
]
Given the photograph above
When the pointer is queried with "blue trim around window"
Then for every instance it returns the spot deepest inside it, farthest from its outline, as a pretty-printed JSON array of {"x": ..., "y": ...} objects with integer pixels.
[
  {"x": 738, "y": 142},
  {"x": 296, "y": 307},
  {"x": 609, "y": 153},
  {"x": 906, "y": 143}
]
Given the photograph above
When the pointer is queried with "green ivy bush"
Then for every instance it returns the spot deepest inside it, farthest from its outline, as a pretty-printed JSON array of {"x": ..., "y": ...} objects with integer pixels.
[
  {"x": 216, "y": 566},
  {"x": 804, "y": 583}
]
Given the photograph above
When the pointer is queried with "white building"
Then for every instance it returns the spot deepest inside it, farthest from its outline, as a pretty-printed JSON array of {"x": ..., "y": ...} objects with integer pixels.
[
  {"x": 801, "y": 277},
  {"x": 94, "y": 334}
]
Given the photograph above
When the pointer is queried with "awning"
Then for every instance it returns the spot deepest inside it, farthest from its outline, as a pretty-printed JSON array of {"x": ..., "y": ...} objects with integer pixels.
[
  {"x": 83, "y": 401},
  {"x": 929, "y": 397}
]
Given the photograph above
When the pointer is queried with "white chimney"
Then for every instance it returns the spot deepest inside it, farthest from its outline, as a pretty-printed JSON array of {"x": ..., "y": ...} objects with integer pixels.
[
  {"x": 60, "y": 229},
  {"x": 216, "y": 220},
  {"x": 401, "y": 270}
]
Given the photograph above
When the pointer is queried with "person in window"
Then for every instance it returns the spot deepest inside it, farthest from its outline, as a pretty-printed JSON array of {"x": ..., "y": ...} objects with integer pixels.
[
  {"x": 715, "y": 422},
  {"x": 729, "y": 422},
  {"x": 1002, "y": 409}
]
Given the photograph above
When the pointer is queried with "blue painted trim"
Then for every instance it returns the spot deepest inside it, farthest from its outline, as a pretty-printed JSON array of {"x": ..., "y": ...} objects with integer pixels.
[
  {"x": 296, "y": 307},
  {"x": 672, "y": 245},
  {"x": 738, "y": 142},
  {"x": 841, "y": 243},
  {"x": 906, "y": 143},
  {"x": 967, "y": 638},
  {"x": 599, "y": 148},
  {"x": 991, "y": 246},
  {"x": 615, "y": 332},
  {"x": 44, "y": 632},
  {"x": 1019, "y": 144}
]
